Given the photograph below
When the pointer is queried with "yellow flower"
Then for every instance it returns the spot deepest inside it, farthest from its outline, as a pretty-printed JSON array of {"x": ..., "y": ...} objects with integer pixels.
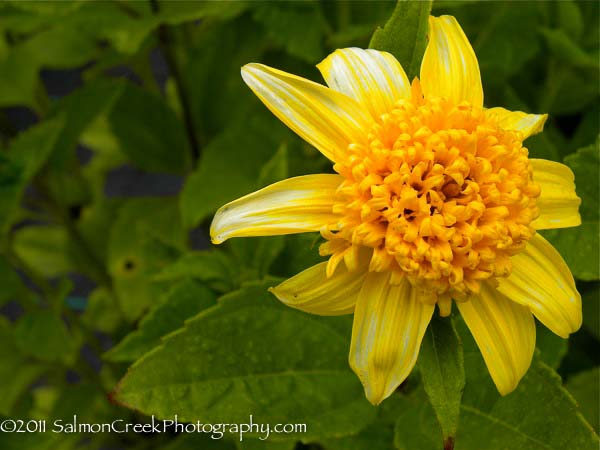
[{"x": 434, "y": 200}]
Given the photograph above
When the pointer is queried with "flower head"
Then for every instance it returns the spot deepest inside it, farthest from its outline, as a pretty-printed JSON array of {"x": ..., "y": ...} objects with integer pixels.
[{"x": 434, "y": 200}]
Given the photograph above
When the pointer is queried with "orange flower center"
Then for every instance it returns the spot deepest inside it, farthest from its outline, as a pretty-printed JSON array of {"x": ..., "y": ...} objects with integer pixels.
[{"x": 439, "y": 192}]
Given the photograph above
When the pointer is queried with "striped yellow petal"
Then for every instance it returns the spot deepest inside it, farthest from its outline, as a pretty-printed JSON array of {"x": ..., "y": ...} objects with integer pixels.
[
  {"x": 505, "y": 334},
  {"x": 558, "y": 203},
  {"x": 295, "y": 205},
  {"x": 389, "y": 324},
  {"x": 450, "y": 68},
  {"x": 313, "y": 292},
  {"x": 374, "y": 79},
  {"x": 528, "y": 124},
  {"x": 541, "y": 281},
  {"x": 323, "y": 117}
]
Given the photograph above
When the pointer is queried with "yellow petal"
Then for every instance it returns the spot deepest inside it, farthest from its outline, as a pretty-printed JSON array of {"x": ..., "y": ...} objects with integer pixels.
[
  {"x": 528, "y": 124},
  {"x": 389, "y": 324},
  {"x": 323, "y": 117},
  {"x": 450, "y": 68},
  {"x": 505, "y": 334},
  {"x": 558, "y": 203},
  {"x": 313, "y": 292},
  {"x": 295, "y": 205},
  {"x": 374, "y": 79},
  {"x": 542, "y": 282}
]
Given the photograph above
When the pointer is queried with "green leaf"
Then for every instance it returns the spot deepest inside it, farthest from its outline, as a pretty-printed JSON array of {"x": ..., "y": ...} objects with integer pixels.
[
  {"x": 254, "y": 256},
  {"x": 377, "y": 435},
  {"x": 11, "y": 283},
  {"x": 79, "y": 110},
  {"x": 579, "y": 245},
  {"x": 145, "y": 238},
  {"x": 149, "y": 132},
  {"x": 567, "y": 51},
  {"x": 301, "y": 252},
  {"x": 552, "y": 347},
  {"x": 26, "y": 156},
  {"x": 539, "y": 414},
  {"x": 590, "y": 296},
  {"x": 175, "y": 13},
  {"x": 16, "y": 371},
  {"x": 183, "y": 301},
  {"x": 276, "y": 168},
  {"x": 416, "y": 426},
  {"x": 297, "y": 26},
  {"x": 442, "y": 371},
  {"x": 404, "y": 35},
  {"x": 266, "y": 444},
  {"x": 44, "y": 248},
  {"x": 585, "y": 388},
  {"x": 251, "y": 355},
  {"x": 102, "y": 311},
  {"x": 195, "y": 441},
  {"x": 228, "y": 169},
  {"x": 570, "y": 18},
  {"x": 44, "y": 335},
  {"x": 214, "y": 268}
]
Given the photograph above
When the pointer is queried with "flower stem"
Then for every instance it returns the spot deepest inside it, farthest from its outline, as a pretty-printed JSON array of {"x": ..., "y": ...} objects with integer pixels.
[{"x": 166, "y": 44}]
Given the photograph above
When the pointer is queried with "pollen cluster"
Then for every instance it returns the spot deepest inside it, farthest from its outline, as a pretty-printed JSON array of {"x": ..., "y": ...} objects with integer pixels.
[{"x": 439, "y": 192}]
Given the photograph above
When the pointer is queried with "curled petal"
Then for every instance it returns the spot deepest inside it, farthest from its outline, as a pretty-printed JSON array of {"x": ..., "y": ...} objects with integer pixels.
[
  {"x": 450, "y": 68},
  {"x": 558, "y": 202},
  {"x": 323, "y": 117},
  {"x": 312, "y": 291},
  {"x": 295, "y": 205},
  {"x": 374, "y": 79},
  {"x": 527, "y": 124},
  {"x": 505, "y": 334},
  {"x": 542, "y": 282},
  {"x": 389, "y": 324}
]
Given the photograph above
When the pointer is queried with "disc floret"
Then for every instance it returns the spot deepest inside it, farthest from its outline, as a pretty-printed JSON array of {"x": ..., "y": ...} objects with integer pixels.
[{"x": 440, "y": 193}]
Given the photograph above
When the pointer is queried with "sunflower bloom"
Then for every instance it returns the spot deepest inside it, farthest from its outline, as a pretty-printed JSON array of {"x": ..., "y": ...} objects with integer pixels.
[{"x": 434, "y": 200}]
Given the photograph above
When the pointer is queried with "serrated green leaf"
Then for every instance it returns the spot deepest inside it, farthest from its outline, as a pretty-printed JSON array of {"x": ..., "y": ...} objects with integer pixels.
[
  {"x": 404, "y": 35},
  {"x": 585, "y": 388},
  {"x": 442, "y": 372},
  {"x": 184, "y": 300},
  {"x": 251, "y": 355},
  {"x": 539, "y": 414},
  {"x": 579, "y": 245},
  {"x": 149, "y": 132}
]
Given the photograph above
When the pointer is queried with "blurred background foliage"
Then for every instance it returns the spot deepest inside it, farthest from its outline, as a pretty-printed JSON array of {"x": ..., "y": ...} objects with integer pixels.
[{"x": 125, "y": 124}]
